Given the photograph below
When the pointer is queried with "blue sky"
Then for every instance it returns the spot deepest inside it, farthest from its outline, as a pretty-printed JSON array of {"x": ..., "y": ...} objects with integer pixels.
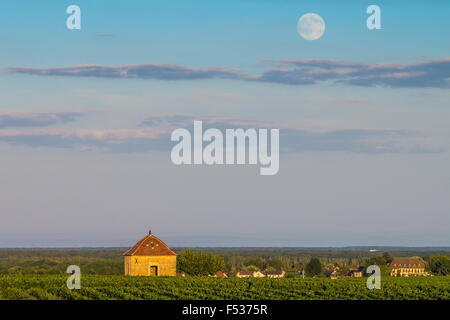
[
  {"x": 363, "y": 113},
  {"x": 228, "y": 33}
]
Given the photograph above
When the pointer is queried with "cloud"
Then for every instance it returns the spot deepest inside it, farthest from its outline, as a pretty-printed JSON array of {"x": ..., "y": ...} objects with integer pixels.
[
  {"x": 154, "y": 133},
  {"x": 360, "y": 141},
  {"x": 186, "y": 121},
  {"x": 118, "y": 140},
  {"x": 421, "y": 74},
  {"x": 291, "y": 140},
  {"x": 138, "y": 71},
  {"x": 167, "y": 120},
  {"x": 8, "y": 120}
]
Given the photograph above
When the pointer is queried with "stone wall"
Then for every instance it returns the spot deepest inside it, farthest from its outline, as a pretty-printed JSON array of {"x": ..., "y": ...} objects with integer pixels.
[{"x": 140, "y": 265}]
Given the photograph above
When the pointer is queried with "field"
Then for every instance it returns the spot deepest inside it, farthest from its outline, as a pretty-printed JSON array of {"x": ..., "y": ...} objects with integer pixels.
[{"x": 50, "y": 287}]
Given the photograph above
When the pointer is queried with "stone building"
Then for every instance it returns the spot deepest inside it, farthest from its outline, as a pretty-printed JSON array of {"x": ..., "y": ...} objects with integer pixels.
[
  {"x": 150, "y": 257},
  {"x": 407, "y": 267},
  {"x": 244, "y": 274},
  {"x": 275, "y": 274}
]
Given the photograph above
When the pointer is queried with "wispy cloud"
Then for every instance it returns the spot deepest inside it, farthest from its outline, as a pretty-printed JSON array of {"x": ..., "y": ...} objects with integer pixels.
[
  {"x": 139, "y": 71},
  {"x": 428, "y": 73},
  {"x": 186, "y": 121},
  {"x": 118, "y": 140},
  {"x": 292, "y": 139},
  {"x": 8, "y": 120},
  {"x": 421, "y": 74},
  {"x": 154, "y": 134}
]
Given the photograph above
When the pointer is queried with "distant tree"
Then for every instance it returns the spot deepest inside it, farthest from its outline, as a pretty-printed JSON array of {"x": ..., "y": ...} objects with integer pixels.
[
  {"x": 199, "y": 263},
  {"x": 387, "y": 257},
  {"x": 440, "y": 265},
  {"x": 256, "y": 261},
  {"x": 274, "y": 263},
  {"x": 251, "y": 268},
  {"x": 384, "y": 271},
  {"x": 313, "y": 268},
  {"x": 382, "y": 261}
]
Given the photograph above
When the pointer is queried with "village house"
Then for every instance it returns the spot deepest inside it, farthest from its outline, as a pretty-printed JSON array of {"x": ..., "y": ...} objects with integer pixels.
[
  {"x": 250, "y": 274},
  {"x": 258, "y": 274},
  {"x": 261, "y": 274},
  {"x": 244, "y": 274},
  {"x": 407, "y": 267},
  {"x": 331, "y": 271},
  {"x": 357, "y": 272},
  {"x": 275, "y": 274},
  {"x": 150, "y": 257}
]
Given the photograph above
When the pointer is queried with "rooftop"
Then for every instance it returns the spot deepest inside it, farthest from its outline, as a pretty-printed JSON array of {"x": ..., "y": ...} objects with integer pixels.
[
  {"x": 150, "y": 246},
  {"x": 407, "y": 263}
]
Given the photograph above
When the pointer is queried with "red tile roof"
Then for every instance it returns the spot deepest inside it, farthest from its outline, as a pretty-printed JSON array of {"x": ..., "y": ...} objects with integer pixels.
[
  {"x": 406, "y": 263},
  {"x": 150, "y": 246},
  {"x": 245, "y": 273}
]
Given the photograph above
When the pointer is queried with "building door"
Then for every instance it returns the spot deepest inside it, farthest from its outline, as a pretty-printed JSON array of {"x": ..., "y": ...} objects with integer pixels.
[{"x": 153, "y": 271}]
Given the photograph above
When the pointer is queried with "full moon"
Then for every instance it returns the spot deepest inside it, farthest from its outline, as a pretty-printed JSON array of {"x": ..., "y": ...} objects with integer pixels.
[{"x": 311, "y": 26}]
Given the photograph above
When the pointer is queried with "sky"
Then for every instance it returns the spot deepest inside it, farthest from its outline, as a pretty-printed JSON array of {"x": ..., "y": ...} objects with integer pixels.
[{"x": 86, "y": 117}]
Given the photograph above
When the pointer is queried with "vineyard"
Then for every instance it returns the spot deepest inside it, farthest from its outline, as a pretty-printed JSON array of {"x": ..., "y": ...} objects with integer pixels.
[{"x": 53, "y": 287}]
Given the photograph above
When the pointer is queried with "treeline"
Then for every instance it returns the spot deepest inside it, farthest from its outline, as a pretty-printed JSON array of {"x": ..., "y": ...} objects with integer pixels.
[
  {"x": 279, "y": 262},
  {"x": 438, "y": 264},
  {"x": 105, "y": 253},
  {"x": 58, "y": 265},
  {"x": 358, "y": 253},
  {"x": 199, "y": 263},
  {"x": 110, "y": 261},
  {"x": 55, "y": 261}
]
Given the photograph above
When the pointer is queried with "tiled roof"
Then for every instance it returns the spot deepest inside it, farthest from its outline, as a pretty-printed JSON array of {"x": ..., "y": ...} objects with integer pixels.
[
  {"x": 406, "y": 263},
  {"x": 245, "y": 273},
  {"x": 275, "y": 272},
  {"x": 150, "y": 246}
]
